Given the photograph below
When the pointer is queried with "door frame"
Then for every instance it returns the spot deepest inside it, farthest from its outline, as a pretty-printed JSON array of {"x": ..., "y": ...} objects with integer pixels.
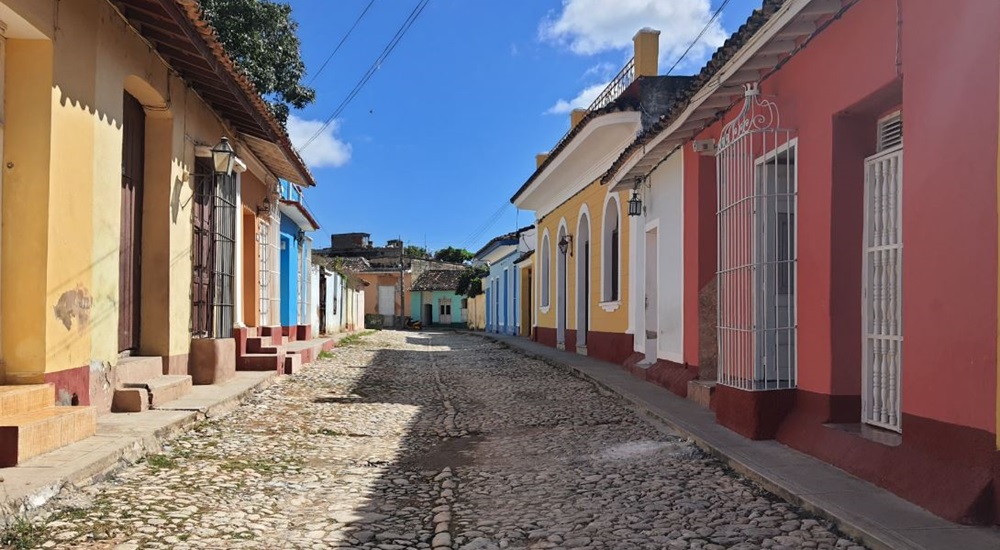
[{"x": 130, "y": 234}]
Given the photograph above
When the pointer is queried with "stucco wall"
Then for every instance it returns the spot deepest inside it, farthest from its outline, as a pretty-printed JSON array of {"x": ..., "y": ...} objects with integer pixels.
[
  {"x": 592, "y": 200},
  {"x": 663, "y": 202},
  {"x": 63, "y": 143}
]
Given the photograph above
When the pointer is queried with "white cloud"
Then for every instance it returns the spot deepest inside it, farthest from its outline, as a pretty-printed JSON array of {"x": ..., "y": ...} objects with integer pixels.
[
  {"x": 581, "y": 101},
  {"x": 326, "y": 150},
  {"x": 589, "y": 27}
]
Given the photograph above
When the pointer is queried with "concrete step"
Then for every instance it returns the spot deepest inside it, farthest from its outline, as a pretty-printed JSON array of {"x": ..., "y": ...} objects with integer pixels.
[
  {"x": 262, "y": 362},
  {"x": 274, "y": 333},
  {"x": 701, "y": 391},
  {"x": 30, "y": 434},
  {"x": 130, "y": 400},
  {"x": 163, "y": 389},
  {"x": 293, "y": 363},
  {"x": 137, "y": 369},
  {"x": 16, "y": 400},
  {"x": 261, "y": 345}
]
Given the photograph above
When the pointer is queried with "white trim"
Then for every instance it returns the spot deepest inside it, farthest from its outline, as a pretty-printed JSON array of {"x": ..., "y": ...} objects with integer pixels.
[
  {"x": 238, "y": 273},
  {"x": 544, "y": 287},
  {"x": 597, "y": 168},
  {"x": 610, "y": 306},
  {"x": 611, "y": 195},
  {"x": 718, "y": 83},
  {"x": 584, "y": 212}
]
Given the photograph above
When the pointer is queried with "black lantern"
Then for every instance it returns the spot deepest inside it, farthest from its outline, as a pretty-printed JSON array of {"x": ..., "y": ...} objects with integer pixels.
[
  {"x": 223, "y": 157},
  {"x": 565, "y": 242},
  {"x": 265, "y": 207},
  {"x": 635, "y": 204}
]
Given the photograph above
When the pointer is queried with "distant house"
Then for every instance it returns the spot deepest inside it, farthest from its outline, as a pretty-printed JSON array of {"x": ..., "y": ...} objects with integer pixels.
[
  {"x": 435, "y": 301},
  {"x": 508, "y": 280},
  {"x": 295, "y": 257},
  {"x": 337, "y": 294}
]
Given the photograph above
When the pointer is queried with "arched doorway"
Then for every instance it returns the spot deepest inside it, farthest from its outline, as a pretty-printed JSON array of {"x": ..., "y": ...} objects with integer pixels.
[
  {"x": 561, "y": 265},
  {"x": 582, "y": 281}
]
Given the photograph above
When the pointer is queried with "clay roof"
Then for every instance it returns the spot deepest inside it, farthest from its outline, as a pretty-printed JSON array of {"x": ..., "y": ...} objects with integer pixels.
[
  {"x": 512, "y": 236},
  {"x": 186, "y": 41},
  {"x": 437, "y": 279},
  {"x": 722, "y": 55},
  {"x": 348, "y": 264}
]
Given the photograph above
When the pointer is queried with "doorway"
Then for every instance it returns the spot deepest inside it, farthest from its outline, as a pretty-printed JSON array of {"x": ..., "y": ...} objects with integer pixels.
[
  {"x": 130, "y": 249},
  {"x": 428, "y": 316},
  {"x": 322, "y": 302},
  {"x": 775, "y": 276},
  {"x": 444, "y": 314},
  {"x": 583, "y": 283},
  {"x": 651, "y": 300},
  {"x": 561, "y": 265}
]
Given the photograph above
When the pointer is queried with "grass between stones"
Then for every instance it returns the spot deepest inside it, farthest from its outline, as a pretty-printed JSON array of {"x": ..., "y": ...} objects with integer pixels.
[
  {"x": 21, "y": 534},
  {"x": 161, "y": 462},
  {"x": 352, "y": 339}
]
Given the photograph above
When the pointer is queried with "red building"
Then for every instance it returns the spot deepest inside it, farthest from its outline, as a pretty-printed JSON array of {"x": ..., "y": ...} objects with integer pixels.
[{"x": 840, "y": 245}]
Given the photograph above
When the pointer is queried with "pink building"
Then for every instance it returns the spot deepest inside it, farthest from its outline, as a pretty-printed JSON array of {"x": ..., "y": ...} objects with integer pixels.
[{"x": 840, "y": 239}]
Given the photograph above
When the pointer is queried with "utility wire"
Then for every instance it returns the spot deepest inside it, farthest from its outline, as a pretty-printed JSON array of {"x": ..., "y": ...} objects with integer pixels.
[
  {"x": 487, "y": 225},
  {"x": 371, "y": 70},
  {"x": 697, "y": 38},
  {"x": 342, "y": 40}
]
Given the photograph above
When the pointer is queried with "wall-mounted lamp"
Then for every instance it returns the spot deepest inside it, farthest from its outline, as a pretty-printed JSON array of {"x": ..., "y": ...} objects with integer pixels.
[
  {"x": 564, "y": 244},
  {"x": 265, "y": 208},
  {"x": 223, "y": 157},
  {"x": 635, "y": 203}
]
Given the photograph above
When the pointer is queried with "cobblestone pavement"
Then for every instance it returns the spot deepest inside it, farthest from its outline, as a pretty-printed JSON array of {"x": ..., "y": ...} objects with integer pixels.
[{"x": 429, "y": 440}]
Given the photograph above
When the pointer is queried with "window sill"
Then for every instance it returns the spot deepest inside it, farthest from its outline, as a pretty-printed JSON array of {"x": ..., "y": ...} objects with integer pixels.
[
  {"x": 611, "y": 306},
  {"x": 871, "y": 433},
  {"x": 544, "y": 309}
]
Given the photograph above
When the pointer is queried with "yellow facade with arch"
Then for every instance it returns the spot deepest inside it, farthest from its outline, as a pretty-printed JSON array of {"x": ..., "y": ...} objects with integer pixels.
[{"x": 609, "y": 333}]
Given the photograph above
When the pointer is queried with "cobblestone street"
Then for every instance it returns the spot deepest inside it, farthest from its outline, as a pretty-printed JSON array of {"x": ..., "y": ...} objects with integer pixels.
[{"x": 429, "y": 440}]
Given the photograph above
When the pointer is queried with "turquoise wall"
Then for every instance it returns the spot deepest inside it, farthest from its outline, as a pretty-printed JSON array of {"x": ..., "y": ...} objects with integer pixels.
[{"x": 417, "y": 301}]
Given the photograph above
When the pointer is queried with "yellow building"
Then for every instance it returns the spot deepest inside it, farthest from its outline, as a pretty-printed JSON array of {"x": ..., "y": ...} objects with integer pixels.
[
  {"x": 583, "y": 300},
  {"x": 123, "y": 244}
]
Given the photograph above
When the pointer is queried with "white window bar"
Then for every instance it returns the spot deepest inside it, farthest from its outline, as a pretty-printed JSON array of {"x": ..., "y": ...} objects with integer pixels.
[
  {"x": 274, "y": 265},
  {"x": 264, "y": 273},
  {"x": 882, "y": 291},
  {"x": 756, "y": 216}
]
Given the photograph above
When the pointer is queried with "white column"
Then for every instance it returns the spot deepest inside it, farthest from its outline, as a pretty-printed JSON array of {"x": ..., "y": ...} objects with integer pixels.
[{"x": 238, "y": 245}]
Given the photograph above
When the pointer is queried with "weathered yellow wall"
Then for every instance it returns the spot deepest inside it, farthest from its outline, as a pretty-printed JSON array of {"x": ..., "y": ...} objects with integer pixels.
[
  {"x": 25, "y": 208},
  {"x": 62, "y": 198},
  {"x": 600, "y": 321}
]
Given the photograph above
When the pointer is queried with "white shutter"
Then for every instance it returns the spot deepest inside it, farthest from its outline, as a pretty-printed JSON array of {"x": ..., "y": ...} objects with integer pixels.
[{"x": 890, "y": 131}]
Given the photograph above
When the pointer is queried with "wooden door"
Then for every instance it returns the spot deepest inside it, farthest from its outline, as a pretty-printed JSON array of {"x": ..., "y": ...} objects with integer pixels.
[
  {"x": 130, "y": 251},
  {"x": 202, "y": 250}
]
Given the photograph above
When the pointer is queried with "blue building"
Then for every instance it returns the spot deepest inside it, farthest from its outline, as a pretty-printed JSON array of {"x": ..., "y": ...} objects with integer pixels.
[
  {"x": 503, "y": 284},
  {"x": 295, "y": 257}
]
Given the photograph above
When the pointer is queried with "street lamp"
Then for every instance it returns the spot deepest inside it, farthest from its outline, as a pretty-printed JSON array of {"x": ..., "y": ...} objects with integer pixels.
[
  {"x": 223, "y": 157},
  {"x": 635, "y": 204}
]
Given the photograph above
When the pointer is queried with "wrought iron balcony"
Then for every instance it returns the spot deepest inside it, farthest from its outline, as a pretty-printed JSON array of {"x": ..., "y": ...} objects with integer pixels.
[{"x": 618, "y": 84}]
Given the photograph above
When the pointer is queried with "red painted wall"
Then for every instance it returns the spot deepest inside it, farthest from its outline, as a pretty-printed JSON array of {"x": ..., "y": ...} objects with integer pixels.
[
  {"x": 699, "y": 242},
  {"x": 950, "y": 210},
  {"x": 831, "y": 93}
]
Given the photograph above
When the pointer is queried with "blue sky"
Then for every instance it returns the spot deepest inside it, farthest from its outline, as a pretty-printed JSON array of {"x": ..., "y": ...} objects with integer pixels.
[{"x": 446, "y": 130}]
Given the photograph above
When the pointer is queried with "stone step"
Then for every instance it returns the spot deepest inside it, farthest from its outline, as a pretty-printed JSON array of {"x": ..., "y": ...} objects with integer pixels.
[
  {"x": 163, "y": 389},
  {"x": 293, "y": 363},
  {"x": 262, "y": 362},
  {"x": 261, "y": 345},
  {"x": 30, "y": 434},
  {"x": 137, "y": 369},
  {"x": 16, "y": 400},
  {"x": 274, "y": 333},
  {"x": 130, "y": 400},
  {"x": 701, "y": 391}
]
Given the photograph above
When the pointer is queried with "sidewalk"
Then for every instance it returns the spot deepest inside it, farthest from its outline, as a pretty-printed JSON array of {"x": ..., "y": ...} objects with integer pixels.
[
  {"x": 875, "y": 516},
  {"x": 121, "y": 438}
]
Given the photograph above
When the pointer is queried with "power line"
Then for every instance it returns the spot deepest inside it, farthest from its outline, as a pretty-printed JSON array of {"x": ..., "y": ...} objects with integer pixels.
[
  {"x": 342, "y": 40},
  {"x": 371, "y": 70},
  {"x": 697, "y": 38},
  {"x": 487, "y": 225}
]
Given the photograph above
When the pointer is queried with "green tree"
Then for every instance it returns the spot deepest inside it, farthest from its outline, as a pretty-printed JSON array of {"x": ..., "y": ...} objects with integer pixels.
[
  {"x": 470, "y": 284},
  {"x": 453, "y": 255},
  {"x": 414, "y": 251},
  {"x": 260, "y": 35}
]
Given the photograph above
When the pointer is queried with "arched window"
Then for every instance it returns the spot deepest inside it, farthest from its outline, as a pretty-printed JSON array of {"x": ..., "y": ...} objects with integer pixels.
[
  {"x": 546, "y": 263},
  {"x": 610, "y": 252}
]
